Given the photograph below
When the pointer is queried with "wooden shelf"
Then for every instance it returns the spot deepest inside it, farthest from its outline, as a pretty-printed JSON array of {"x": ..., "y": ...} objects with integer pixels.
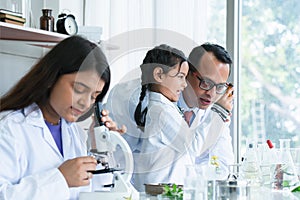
[{"x": 20, "y": 33}]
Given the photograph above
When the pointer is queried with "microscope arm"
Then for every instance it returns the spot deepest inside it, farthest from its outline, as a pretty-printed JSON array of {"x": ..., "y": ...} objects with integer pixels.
[{"x": 107, "y": 141}]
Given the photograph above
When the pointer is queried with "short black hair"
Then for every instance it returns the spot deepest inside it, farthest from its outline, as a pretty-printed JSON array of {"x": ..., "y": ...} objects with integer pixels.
[{"x": 219, "y": 52}]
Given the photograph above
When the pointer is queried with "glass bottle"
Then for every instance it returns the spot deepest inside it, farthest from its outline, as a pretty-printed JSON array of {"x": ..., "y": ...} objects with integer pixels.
[
  {"x": 284, "y": 175},
  {"x": 47, "y": 20}
]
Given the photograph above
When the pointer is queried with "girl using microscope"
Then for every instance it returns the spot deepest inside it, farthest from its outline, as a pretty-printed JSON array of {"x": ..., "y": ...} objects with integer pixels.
[{"x": 43, "y": 152}]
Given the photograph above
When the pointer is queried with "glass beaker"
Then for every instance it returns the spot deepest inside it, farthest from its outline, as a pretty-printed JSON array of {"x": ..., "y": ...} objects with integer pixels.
[
  {"x": 195, "y": 183},
  {"x": 268, "y": 159},
  {"x": 284, "y": 175}
]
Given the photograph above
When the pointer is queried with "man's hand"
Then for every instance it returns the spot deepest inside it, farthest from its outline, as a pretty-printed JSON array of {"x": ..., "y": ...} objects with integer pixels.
[{"x": 226, "y": 101}]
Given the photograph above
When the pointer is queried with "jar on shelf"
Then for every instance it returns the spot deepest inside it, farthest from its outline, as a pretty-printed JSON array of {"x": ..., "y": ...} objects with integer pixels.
[{"x": 47, "y": 20}]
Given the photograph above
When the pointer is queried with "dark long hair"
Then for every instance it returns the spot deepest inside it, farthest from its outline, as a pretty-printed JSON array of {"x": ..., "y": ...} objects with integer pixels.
[
  {"x": 70, "y": 55},
  {"x": 163, "y": 56}
]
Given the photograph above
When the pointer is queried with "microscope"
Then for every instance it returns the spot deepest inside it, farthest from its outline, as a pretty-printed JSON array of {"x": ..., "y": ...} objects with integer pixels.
[{"x": 104, "y": 145}]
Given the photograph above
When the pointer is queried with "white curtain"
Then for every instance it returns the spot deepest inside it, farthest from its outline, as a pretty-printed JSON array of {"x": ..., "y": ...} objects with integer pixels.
[{"x": 132, "y": 27}]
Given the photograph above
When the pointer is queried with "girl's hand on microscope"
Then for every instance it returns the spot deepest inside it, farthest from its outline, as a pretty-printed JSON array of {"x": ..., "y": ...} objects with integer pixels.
[
  {"x": 76, "y": 170},
  {"x": 110, "y": 124}
]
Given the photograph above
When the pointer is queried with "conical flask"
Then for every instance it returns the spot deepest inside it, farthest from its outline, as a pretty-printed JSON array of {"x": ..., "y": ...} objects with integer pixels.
[
  {"x": 285, "y": 175},
  {"x": 250, "y": 170}
]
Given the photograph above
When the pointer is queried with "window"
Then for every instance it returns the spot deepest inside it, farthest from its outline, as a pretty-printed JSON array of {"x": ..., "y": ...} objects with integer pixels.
[
  {"x": 270, "y": 71},
  {"x": 216, "y": 22}
]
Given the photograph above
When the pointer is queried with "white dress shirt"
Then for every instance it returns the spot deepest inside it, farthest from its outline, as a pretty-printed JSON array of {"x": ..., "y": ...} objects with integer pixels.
[
  {"x": 220, "y": 144},
  {"x": 30, "y": 157}
]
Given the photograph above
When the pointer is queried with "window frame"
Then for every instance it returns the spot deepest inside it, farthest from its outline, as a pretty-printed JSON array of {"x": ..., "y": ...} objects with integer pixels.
[{"x": 233, "y": 24}]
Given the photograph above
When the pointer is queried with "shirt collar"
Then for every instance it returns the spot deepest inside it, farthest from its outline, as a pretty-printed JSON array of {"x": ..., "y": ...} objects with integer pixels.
[
  {"x": 183, "y": 105},
  {"x": 154, "y": 96}
]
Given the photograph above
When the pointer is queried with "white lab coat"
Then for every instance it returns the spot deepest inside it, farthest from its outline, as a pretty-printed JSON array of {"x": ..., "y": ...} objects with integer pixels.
[
  {"x": 166, "y": 145},
  {"x": 30, "y": 158}
]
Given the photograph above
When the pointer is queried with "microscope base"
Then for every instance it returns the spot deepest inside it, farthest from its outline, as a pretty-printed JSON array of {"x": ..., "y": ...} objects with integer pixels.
[
  {"x": 122, "y": 190},
  {"x": 107, "y": 195}
]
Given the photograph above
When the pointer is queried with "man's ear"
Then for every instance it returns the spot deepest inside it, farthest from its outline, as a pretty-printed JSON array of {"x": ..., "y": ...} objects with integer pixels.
[{"x": 158, "y": 74}]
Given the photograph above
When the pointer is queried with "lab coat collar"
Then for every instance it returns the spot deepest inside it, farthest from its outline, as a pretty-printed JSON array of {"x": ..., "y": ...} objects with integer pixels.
[
  {"x": 155, "y": 96},
  {"x": 34, "y": 116}
]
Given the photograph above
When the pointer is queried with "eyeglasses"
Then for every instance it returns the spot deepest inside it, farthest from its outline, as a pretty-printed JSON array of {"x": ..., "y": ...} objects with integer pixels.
[{"x": 207, "y": 84}]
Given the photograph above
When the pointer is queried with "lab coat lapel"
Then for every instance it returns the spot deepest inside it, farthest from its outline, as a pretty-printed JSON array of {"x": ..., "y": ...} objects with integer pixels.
[
  {"x": 35, "y": 117},
  {"x": 67, "y": 141},
  {"x": 49, "y": 139},
  {"x": 74, "y": 140}
]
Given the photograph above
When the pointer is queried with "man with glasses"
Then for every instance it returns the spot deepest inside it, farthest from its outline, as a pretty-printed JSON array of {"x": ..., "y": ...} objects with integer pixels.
[
  {"x": 209, "y": 69},
  {"x": 207, "y": 101}
]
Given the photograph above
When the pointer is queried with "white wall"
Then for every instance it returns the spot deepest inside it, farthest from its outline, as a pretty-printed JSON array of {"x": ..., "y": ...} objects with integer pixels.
[
  {"x": 16, "y": 59},
  {"x": 74, "y": 7}
]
